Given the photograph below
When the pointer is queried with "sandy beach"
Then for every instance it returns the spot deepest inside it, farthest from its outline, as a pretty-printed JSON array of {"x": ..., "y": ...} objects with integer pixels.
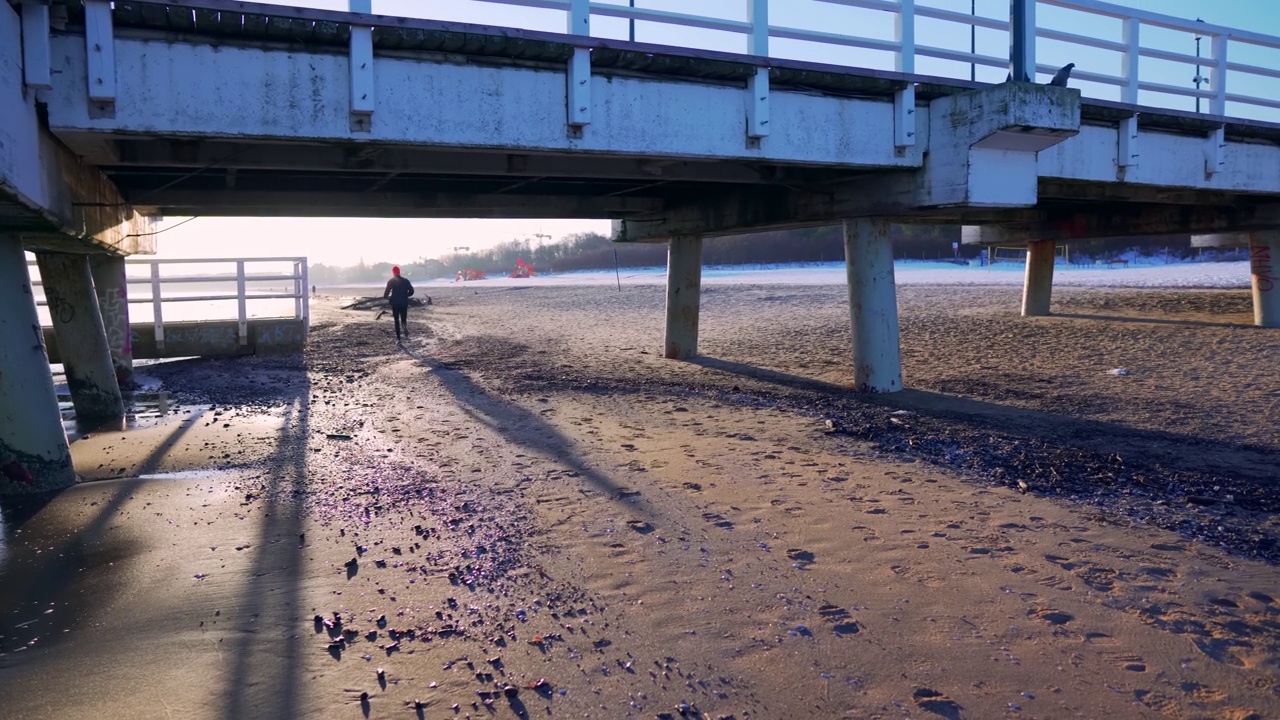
[{"x": 526, "y": 512}]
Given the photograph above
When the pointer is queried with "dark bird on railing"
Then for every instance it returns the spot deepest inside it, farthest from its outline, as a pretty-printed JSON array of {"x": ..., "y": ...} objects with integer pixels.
[{"x": 1062, "y": 76}]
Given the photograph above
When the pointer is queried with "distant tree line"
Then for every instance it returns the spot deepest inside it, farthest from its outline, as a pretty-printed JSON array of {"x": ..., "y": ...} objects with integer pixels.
[{"x": 593, "y": 251}]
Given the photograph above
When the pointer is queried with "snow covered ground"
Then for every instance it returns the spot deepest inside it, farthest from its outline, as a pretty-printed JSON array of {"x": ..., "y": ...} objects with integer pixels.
[{"x": 1174, "y": 275}]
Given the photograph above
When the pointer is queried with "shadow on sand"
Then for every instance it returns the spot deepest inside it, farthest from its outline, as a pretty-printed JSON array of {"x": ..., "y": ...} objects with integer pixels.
[
  {"x": 1028, "y": 424},
  {"x": 517, "y": 425}
]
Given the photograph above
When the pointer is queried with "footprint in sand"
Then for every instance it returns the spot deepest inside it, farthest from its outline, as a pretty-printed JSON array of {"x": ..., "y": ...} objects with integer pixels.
[
  {"x": 640, "y": 526},
  {"x": 798, "y": 555},
  {"x": 935, "y": 702},
  {"x": 1127, "y": 661},
  {"x": 1162, "y": 573},
  {"x": 718, "y": 520},
  {"x": 1262, "y": 597},
  {"x": 842, "y": 623},
  {"x": 1051, "y": 616}
]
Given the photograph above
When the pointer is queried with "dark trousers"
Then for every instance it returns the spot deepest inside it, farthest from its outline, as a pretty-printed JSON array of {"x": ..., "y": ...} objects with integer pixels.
[{"x": 401, "y": 315}]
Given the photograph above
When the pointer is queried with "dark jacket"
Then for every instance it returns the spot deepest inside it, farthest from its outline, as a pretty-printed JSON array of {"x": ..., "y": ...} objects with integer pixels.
[{"x": 399, "y": 289}]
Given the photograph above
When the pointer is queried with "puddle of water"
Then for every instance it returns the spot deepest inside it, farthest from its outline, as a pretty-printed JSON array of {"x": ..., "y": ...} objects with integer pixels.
[{"x": 143, "y": 408}]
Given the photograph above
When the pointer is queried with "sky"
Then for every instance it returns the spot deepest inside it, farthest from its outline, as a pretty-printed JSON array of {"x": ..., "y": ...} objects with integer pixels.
[{"x": 348, "y": 241}]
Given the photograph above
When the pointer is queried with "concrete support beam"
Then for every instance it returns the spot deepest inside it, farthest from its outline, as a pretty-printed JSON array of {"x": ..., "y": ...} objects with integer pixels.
[
  {"x": 1264, "y": 259},
  {"x": 1221, "y": 240},
  {"x": 286, "y": 203},
  {"x": 50, "y": 196},
  {"x": 1037, "y": 288},
  {"x": 873, "y": 306},
  {"x": 77, "y": 321},
  {"x": 983, "y": 144},
  {"x": 684, "y": 290},
  {"x": 34, "y": 456},
  {"x": 113, "y": 301}
]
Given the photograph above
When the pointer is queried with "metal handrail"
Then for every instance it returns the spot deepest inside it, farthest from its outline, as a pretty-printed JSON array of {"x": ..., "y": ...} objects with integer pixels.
[
  {"x": 904, "y": 47},
  {"x": 299, "y": 277}
]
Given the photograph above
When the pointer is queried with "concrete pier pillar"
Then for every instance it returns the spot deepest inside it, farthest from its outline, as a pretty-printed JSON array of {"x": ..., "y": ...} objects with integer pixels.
[
  {"x": 684, "y": 290},
  {"x": 82, "y": 339},
  {"x": 1264, "y": 266},
  {"x": 1037, "y": 288},
  {"x": 113, "y": 302},
  {"x": 34, "y": 456},
  {"x": 873, "y": 306}
]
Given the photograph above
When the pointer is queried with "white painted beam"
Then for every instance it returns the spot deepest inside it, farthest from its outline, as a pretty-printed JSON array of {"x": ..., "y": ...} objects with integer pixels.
[
  {"x": 578, "y": 78},
  {"x": 99, "y": 39},
  {"x": 363, "y": 99},
  {"x": 758, "y": 83},
  {"x": 904, "y": 100},
  {"x": 36, "y": 54},
  {"x": 522, "y": 111}
]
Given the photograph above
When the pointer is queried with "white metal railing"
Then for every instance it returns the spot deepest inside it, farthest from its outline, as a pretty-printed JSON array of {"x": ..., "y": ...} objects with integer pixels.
[
  {"x": 241, "y": 277},
  {"x": 1131, "y": 78}
]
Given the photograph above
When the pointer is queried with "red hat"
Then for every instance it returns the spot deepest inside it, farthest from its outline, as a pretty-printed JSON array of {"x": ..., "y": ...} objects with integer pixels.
[{"x": 395, "y": 269}]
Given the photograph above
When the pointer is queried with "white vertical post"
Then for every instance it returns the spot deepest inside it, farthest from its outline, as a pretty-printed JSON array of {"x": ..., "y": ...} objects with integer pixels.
[
  {"x": 1127, "y": 155},
  {"x": 156, "y": 301},
  {"x": 1218, "y": 75},
  {"x": 904, "y": 100},
  {"x": 873, "y": 306},
  {"x": 1022, "y": 40},
  {"x": 361, "y": 60},
  {"x": 36, "y": 54},
  {"x": 1215, "y": 160},
  {"x": 579, "y": 75},
  {"x": 306, "y": 297},
  {"x": 758, "y": 84},
  {"x": 242, "y": 309},
  {"x": 100, "y": 50},
  {"x": 297, "y": 294}
]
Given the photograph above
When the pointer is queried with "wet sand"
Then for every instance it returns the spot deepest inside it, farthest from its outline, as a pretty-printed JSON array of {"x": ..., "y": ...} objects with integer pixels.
[{"x": 526, "y": 492}]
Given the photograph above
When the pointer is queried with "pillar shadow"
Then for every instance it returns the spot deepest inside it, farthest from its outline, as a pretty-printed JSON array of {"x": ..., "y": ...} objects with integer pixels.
[
  {"x": 1033, "y": 425},
  {"x": 516, "y": 424},
  {"x": 56, "y": 579},
  {"x": 1151, "y": 321},
  {"x": 265, "y": 677}
]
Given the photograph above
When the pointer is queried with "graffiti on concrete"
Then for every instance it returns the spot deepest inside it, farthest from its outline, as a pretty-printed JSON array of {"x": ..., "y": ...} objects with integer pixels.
[
  {"x": 1262, "y": 266},
  {"x": 114, "y": 306},
  {"x": 280, "y": 334},
  {"x": 60, "y": 308},
  {"x": 212, "y": 338}
]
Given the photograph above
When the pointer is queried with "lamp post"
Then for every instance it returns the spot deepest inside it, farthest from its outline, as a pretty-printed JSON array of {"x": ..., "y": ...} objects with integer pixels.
[
  {"x": 973, "y": 41},
  {"x": 1198, "y": 78}
]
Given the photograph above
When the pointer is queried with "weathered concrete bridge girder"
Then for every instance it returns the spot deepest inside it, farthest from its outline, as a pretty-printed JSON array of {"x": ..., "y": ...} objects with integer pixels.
[
  {"x": 983, "y": 144},
  {"x": 47, "y": 194},
  {"x": 641, "y": 97}
]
